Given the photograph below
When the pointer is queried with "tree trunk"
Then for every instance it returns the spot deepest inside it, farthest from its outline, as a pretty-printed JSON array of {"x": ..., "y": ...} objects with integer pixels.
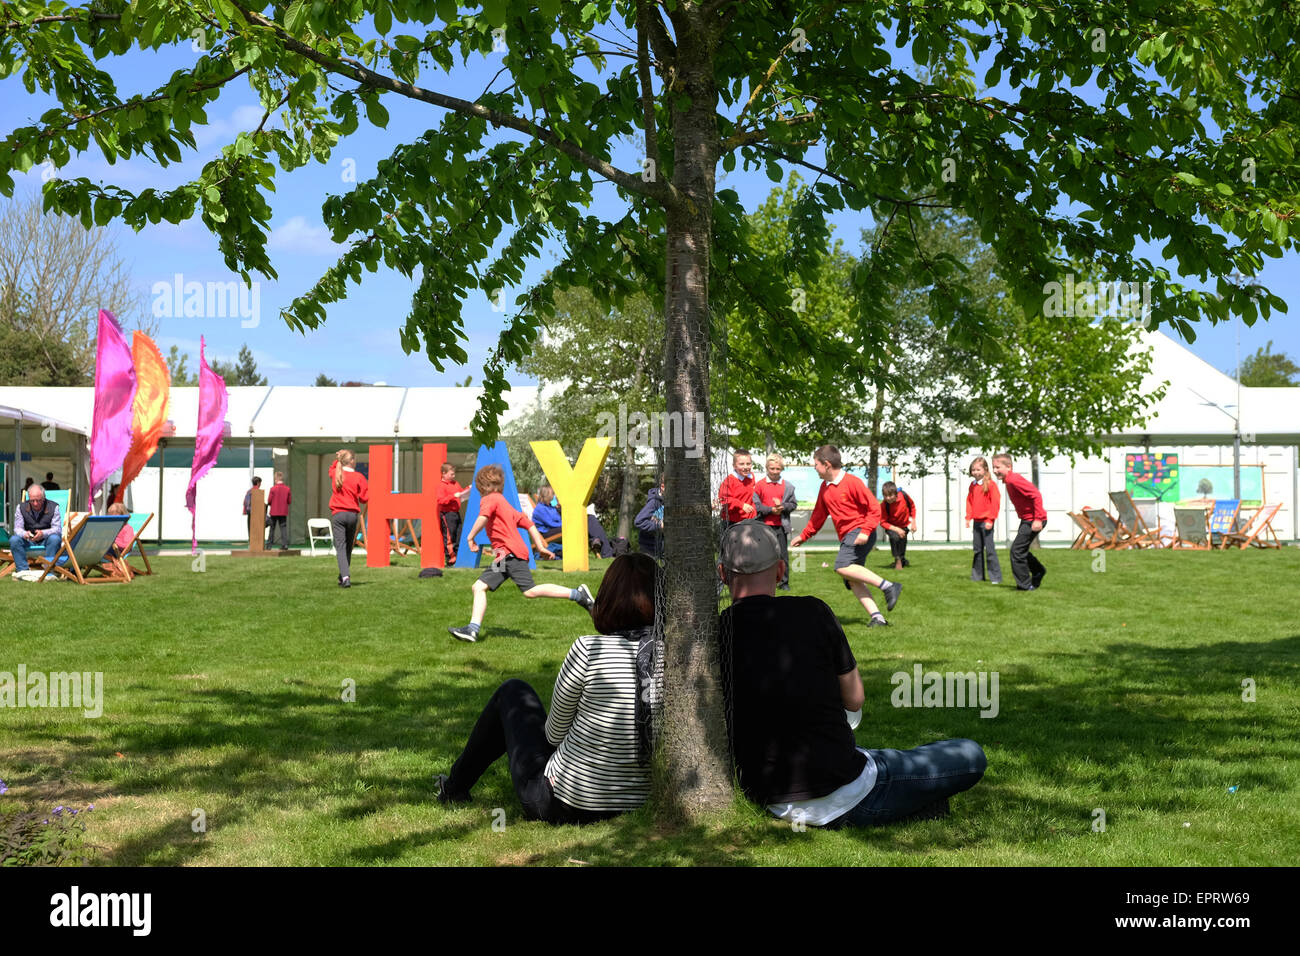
[
  {"x": 627, "y": 501},
  {"x": 873, "y": 461},
  {"x": 694, "y": 775}
]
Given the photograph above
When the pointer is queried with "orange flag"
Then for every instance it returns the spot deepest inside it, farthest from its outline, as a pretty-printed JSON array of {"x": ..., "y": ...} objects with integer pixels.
[{"x": 149, "y": 413}]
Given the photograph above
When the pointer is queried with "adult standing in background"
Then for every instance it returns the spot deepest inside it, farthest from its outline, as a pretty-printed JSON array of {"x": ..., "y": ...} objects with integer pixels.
[
  {"x": 49, "y": 484},
  {"x": 278, "y": 499},
  {"x": 650, "y": 522},
  {"x": 351, "y": 492},
  {"x": 248, "y": 504}
]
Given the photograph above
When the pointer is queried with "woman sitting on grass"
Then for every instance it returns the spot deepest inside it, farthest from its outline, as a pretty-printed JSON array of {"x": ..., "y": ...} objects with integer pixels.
[{"x": 589, "y": 759}]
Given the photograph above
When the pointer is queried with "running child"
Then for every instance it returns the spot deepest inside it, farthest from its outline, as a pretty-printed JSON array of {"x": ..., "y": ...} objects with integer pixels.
[
  {"x": 855, "y": 513},
  {"x": 1028, "y": 500},
  {"x": 510, "y": 556},
  {"x": 897, "y": 517},
  {"x": 983, "y": 503}
]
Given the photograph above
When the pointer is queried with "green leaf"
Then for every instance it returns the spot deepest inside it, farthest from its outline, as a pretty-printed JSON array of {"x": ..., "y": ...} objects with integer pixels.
[
  {"x": 383, "y": 17},
  {"x": 376, "y": 113},
  {"x": 295, "y": 18}
]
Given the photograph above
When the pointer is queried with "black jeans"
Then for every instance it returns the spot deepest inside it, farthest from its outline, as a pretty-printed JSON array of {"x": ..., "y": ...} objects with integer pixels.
[
  {"x": 282, "y": 521},
  {"x": 985, "y": 549},
  {"x": 897, "y": 544},
  {"x": 451, "y": 528},
  {"x": 1024, "y": 565},
  {"x": 343, "y": 526},
  {"x": 513, "y": 725},
  {"x": 784, "y": 538}
]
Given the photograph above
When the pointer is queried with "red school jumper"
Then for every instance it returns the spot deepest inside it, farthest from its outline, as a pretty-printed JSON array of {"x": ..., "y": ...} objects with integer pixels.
[
  {"x": 1027, "y": 500},
  {"x": 850, "y": 504},
  {"x": 354, "y": 493},
  {"x": 735, "y": 494},
  {"x": 983, "y": 505}
]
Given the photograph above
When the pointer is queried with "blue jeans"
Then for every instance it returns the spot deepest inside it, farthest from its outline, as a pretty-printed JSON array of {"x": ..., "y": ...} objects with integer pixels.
[
  {"x": 20, "y": 546},
  {"x": 907, "y": 780}
]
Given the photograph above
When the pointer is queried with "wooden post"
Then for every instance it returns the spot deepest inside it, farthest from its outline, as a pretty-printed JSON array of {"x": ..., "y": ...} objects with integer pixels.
[{"x": 257, "y": 522}]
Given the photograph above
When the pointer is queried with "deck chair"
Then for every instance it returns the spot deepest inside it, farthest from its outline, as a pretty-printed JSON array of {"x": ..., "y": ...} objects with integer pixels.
[
  {"x": 1191, "y": 530},
  {"x": 318, "y": 529},
  {"x": 89, "y": 548},
  {"x": 136, "y": 521},
  {"x": 1139, "y": 535},
  {"x": 1223, "y": 519},
  {"x": 35, "y": 559},
  {"x": 1109, "y": 532},
  {"x": 1088, "y": 537},
  {"x": 1261, "y": 521}
]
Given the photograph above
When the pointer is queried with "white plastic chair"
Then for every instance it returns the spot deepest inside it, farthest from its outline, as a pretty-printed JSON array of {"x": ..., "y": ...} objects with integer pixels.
[{"x": 327, "y": 535}]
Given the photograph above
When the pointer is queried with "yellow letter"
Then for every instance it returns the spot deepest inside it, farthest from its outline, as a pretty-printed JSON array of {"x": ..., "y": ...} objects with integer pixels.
[{"x": 573, "y": 486}]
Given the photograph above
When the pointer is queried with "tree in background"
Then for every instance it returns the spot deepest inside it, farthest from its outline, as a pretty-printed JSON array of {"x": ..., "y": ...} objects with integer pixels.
[
  {"x": 242, "y": 371},
  {"x": 55, "y": 276},
  {"x": 1193, "y": 98},
  {"x": 1267, "y": 369},
  {"x": 595, "y": 361},
  {"x": 324, "y": 381}
]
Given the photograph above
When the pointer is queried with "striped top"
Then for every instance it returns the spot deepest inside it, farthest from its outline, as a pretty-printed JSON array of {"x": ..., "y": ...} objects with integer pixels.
[{"x": 592, "y": 723}]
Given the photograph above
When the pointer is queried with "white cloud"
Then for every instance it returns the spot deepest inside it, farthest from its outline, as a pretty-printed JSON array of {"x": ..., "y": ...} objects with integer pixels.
[{"x": 297, "y": 236}]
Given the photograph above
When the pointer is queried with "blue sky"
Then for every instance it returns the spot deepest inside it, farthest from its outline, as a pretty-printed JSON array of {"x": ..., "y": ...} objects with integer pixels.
[{"x": 360, "y": 338}]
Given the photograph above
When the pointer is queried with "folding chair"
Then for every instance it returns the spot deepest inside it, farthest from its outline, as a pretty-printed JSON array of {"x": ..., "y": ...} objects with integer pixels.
[
  {"x": 1138, "y": 534},
  {"x": 1191, "y": 530},
  {"x": 1223, "y": 519},
  {"x": 323, "y": 526},
  {"x": 136, "y": 521},
  {"x": 1110, "y": 534},
  {"x": 89, "y": 547},
  {"x": 1260, "y": 521},
  {"x": 1088, "y": 538}
]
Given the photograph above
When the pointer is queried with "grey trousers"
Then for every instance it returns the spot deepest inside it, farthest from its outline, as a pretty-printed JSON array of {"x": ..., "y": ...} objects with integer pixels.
[{"x": 343, "y": 526}]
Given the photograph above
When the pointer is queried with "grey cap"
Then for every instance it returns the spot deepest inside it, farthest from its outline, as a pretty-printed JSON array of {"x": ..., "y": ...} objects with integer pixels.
[{"x": 749, "y": 547}]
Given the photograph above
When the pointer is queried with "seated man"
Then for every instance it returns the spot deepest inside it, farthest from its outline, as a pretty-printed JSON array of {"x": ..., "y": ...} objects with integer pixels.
[
  {"x": 788, "y": 678},
  {"x": 37, "y": 524}
]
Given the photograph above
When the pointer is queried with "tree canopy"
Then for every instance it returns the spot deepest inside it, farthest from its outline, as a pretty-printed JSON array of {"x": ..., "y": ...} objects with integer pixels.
[{"x": 1067, "y": 133}]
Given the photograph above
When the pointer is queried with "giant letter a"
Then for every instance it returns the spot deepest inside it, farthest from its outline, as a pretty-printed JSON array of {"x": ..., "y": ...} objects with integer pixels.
[{"x": 387, "y": 506}]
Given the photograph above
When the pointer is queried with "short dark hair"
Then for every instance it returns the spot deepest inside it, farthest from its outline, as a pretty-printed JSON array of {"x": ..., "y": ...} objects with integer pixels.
[
  {"x": 888, "y": 488},
  {"x": 830, "y": 455},
  {"x": 257, "y": 481},
  {"x": 626, "y": 598}
]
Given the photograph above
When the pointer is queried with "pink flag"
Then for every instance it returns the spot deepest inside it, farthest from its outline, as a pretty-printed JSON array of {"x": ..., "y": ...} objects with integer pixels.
[
  {"x": 110, "y": 431},
  {"x": 207, "y": 439}
]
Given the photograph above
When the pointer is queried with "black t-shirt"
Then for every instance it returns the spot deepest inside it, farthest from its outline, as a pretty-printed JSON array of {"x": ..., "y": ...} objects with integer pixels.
[{"x": 782, "y": 659}]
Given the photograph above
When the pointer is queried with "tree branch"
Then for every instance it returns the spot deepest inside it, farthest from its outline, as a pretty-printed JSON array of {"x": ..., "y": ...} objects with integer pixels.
[
  {"x": 657, "y": 189},
  {"x": 647, "y": 92}
]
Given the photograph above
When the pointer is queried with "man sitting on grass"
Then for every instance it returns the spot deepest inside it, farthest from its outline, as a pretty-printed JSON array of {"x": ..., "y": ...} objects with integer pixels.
[{"x": 788, "y": 678}]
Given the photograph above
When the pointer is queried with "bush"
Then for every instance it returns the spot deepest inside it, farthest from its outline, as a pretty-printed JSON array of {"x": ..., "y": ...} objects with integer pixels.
[{"x": 42, "y": 838}]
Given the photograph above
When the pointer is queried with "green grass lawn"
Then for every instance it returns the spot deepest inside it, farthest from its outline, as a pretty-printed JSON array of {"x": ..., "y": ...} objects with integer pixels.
[{"x": 1119, "y": 690}]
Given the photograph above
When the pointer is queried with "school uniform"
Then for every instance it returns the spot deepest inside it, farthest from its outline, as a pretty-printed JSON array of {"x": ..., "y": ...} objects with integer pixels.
[
  {"x": 774, "y": 501},
  {"x": 899, "y": 513},
  {"x": 984, "y": 506},
  {"x": 1028, "y": 502}
]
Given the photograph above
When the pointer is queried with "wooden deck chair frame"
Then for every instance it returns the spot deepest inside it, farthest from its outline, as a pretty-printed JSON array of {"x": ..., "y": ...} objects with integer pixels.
[
  {"x": 1089, "y": 538},
  {"x": 1130, "y": 519},
  {"x": 137, "y": 547},
  {"x": 1102, "y": 520},
  {"x": 113, "y": 570},
  {"x": 1186, "y": 519},
  {"x": 62, "y": 497},
  {"x": 1260, "y": 521},
  {"x": 406, "y": 526}
]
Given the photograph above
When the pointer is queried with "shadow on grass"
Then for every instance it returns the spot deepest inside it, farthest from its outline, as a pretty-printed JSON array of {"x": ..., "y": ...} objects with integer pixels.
[{"x": 1131, "y": 710}]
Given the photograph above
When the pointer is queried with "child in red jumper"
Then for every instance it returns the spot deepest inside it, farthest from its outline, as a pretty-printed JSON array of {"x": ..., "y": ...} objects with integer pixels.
[
  {"x": 351, "y": 492},
  {"x": 510, "y": 556},
  {"x": 1028, "y": 500},
  {"x": 774, "y": 498},
  {"x": 450, "y": 497},
  {"x": 983, "y": 504},
  {"x": 897, "y": 517},
  {"x": 736, "y": 493},
  {"x": 856, "y": 514}
]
